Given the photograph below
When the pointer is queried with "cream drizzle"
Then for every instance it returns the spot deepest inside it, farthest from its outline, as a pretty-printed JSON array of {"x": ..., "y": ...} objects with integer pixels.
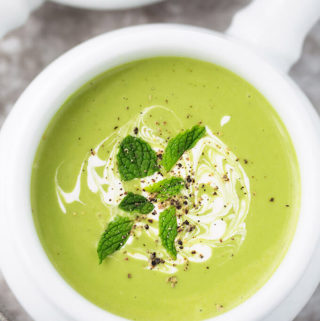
[
  {"x": 224, "y": 120},
  {"x": 219, "y": 220}
]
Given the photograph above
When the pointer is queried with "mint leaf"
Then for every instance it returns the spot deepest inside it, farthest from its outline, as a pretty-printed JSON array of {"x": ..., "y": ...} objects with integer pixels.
[
  {"x": 136, "y": 203},
  {"x": 136, "y": 159},
  {"x": 168, "y": 230},
  {"x": 114, "y": 237},
  {"x": 181, "y": 143},
  {"x": 166, "y": 188}
]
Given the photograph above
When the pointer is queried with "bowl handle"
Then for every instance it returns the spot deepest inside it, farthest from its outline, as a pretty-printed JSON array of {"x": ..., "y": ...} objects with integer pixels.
[
  {"x": 13, "y": 13},
  {"x": 276, "y": 28}
]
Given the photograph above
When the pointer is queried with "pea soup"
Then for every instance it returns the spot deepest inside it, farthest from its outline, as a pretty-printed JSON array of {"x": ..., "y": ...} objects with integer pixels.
[{"x": 166, "y": 189}]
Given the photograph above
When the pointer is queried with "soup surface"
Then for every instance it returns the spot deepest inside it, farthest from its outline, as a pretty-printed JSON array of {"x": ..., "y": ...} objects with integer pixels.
[{"x": 235, "y": 210}]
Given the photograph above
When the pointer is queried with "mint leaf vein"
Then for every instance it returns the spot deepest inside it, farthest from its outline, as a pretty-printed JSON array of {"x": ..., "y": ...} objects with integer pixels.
[
  {"x": 136, "y": 203},
  {"x": 181, "y": 143},
  {"x": 168, "y": 230},
  {"x": 114, "y": 237},
  {"x": 166, "y": 188},
  {"x": 136, "y": 159}
]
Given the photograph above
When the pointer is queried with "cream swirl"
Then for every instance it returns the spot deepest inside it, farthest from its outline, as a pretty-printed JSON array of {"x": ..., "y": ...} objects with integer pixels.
[{"x": 220, "y": 192}]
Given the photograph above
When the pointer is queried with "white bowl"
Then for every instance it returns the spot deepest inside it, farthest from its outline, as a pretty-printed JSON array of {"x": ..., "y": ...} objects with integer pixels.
[
  {"x": 14, "y": 13},
  {"x": 29, "y": 273},
  {"x": 106, "y": 4}
]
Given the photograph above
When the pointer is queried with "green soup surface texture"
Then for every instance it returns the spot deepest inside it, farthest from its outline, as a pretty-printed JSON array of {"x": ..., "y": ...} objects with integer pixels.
[{"x": 236, "y": 209}]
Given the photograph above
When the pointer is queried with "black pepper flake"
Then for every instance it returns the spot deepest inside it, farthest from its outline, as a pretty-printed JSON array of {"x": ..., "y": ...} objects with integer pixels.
[
  {"x": 115, "y": 127},
  {"x": 271, "y": 199},
  {"x": 129, "y": 275},
  {"x": 225, "y": 178},
  {"x": 136, "y": 130},
  {"x": 157, "y": 261},
  {"x": 245, "y": 161},
  {"x": 146, "y": 227}
]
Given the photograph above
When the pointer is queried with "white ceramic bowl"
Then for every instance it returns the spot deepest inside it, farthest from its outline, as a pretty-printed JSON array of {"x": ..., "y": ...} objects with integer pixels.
[
  {"x": 106, "y": 4},
  {"x": 24, "y": 263},
  {"x": 14, "y": 13}
]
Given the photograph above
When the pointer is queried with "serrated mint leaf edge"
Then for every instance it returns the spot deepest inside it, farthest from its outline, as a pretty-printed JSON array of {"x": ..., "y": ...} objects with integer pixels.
[
  {"x": 144, "y": 206},
  {"x": 110, "y": 227},
  {"x": 170, "y": 248},
  {"x": 126, "y": 174},
  {"x": 163, "y": 192},
  {"x": 168, "y": 161}
]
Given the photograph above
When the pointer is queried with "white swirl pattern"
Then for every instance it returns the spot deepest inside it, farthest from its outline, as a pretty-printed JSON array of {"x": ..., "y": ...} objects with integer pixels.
[{"x": 220, "y": 194}]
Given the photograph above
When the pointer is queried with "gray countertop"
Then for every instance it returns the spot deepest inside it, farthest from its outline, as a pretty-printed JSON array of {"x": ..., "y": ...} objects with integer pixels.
[{"x": 53, "y": 29}]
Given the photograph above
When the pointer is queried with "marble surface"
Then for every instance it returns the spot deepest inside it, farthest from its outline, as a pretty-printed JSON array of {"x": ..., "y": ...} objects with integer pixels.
[{"x": 53, "y": 29}]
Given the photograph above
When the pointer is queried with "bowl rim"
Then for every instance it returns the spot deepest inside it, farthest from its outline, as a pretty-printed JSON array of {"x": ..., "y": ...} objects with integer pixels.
[
  {"x": 49, "y": 90},
  {"x": 107, "y": 4}
]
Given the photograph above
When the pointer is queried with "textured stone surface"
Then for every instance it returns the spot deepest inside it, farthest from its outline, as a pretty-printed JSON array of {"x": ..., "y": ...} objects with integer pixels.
[{"x": 53, "y": 29}]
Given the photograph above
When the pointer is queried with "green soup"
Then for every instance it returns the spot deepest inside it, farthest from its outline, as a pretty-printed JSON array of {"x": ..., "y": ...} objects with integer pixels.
[{"x": 235, "y": 221}]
